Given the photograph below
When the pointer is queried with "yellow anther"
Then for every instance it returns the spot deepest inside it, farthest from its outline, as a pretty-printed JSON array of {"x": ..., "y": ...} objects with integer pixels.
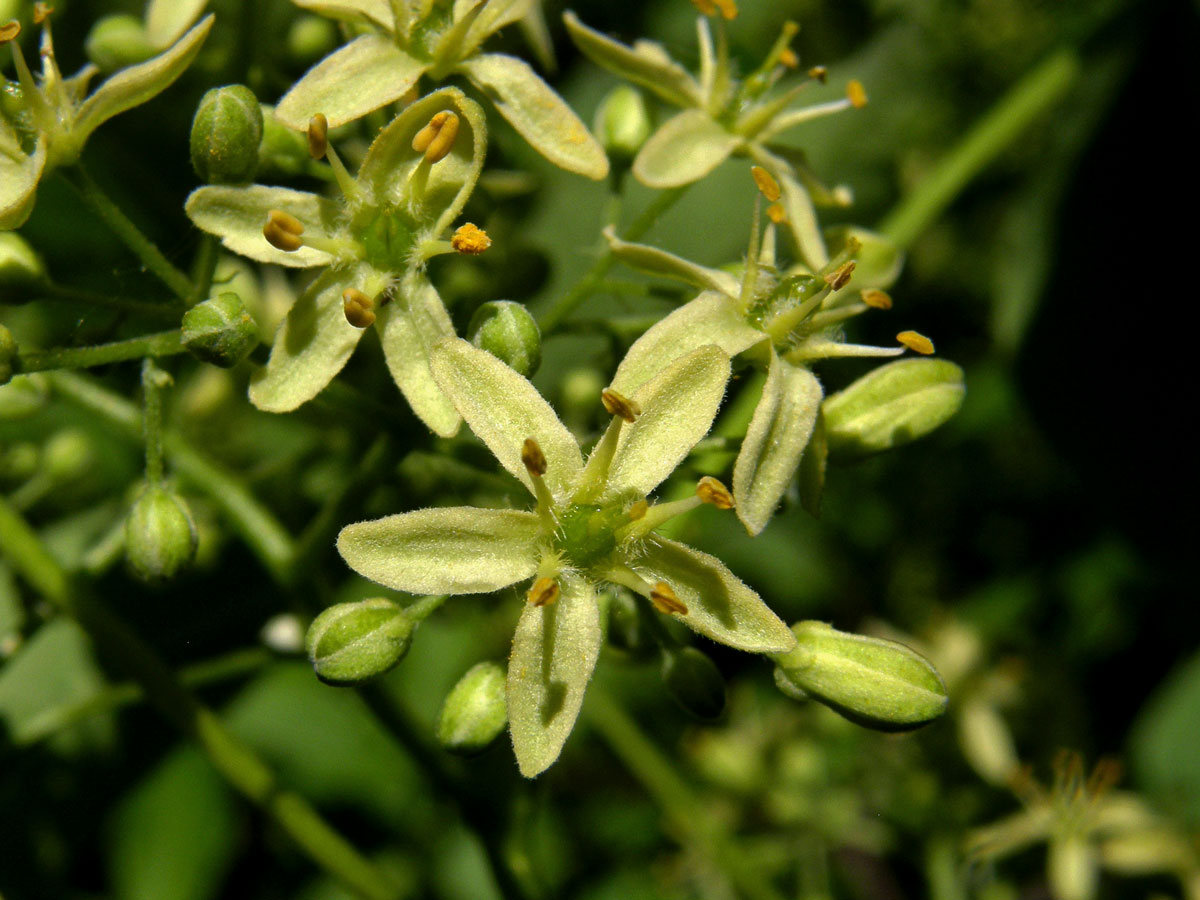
[
  {"x": 543, "y": 592},
  {"x": 41, "y": 12},
  {"x": 619, "y": 405},
  {"x": 318, "y": 136},
  {"x": 712, "y": 492},
  {"x": 727, "y": 8},
  {"x": 10, "y": 31},
  {"x": 533, "y": 458},
  {"x": 838, "y": 278},
  {"x": 766, "y": 183},
  {"x": 638, "y": 510},
  {"x": 789, "y": 58},
  {"x": 856, "y": 94},
  {"x": 916, "y": 342},
  {"x": 820, "y": 73},
  {"x": 436, "y": 139},
  {"x": 470, "y": 240},
  {"x": 283, "y": 231},
  {"x": 665, "y": 601},
  {"x": 876, "y": 299},
  {"x": 776, "y": 213},
  {"x": 707, "y": 7},
  {"x": 358, "y": 307}
]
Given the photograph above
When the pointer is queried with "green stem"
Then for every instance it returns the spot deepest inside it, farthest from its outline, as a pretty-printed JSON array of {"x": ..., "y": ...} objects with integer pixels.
[
  {"x": 1029, "y": 99},
  {"x": 154, "y": 380},
  {"x": 164, "y": 343},
  {"x": 235, "y": 761},
  {"x": 128, "y": 233}
]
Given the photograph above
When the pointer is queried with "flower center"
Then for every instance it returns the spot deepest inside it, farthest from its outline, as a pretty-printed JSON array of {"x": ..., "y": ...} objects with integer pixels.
[{"x": 587, "y": 532}]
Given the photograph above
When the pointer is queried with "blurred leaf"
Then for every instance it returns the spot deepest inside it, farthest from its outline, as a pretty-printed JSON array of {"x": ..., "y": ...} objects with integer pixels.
[{"x": 1162, "y": 744}]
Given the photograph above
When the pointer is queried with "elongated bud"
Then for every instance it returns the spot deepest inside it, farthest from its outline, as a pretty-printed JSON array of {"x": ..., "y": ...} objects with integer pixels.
[
  {"x": 283, "y": 231},
  {"x": 358, "y": 307},
  {"x": 118, "y": 41},
  {"x": 436, "y": 139},
  {"x": 22, "y": 272},
  {"x": 622, "y": 123},
  {"x": 874, "y": 682},
  {"x": 160, "y": 537},
  {"x": 352, "y": 642},
  {"x": 475, "y": 711},
  {"x": 695, "y": 682},
  {"x": 665, "y": 601},
  {"x": 877, "y": 260},
  {"x": 712, "y": 492},
  {"x": 533, "y": 458},
  {"x": 506, "y": 330},
  {"x": 226, "y": 134},
  {"x": 318, "y": 136},
  {"x": 617, "y": 404},
  {"x": 220, "y": 330},
  {"x": 543, "y": 592}
]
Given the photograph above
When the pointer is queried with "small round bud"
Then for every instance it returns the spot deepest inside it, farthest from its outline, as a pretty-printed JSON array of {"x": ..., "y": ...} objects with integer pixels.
[
  {"x": 220, "y": 330},
  {"x": 475, "y": 711},
  {"x": 8, "y": 355},
  {"x": 226, "y": 134},
  {"x": 118, "y": 41},
  {"x": 877, "y": 260},
  {"x": 622, "y": 123},
  {"x": 506, "y": 330},
  {"x": 67, "y": 455},
  {"x": 160, "y": 537},
  {"x": 22, "y": 272},
  {"x": 874, "y": 682},
  {"x": 695, "y": 682},
  {"x": 351, "y": 642}
]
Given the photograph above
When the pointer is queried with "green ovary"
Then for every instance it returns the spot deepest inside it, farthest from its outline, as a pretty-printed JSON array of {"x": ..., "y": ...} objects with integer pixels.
[
  {"x": 587, "y": 533},
  {"x": 387, "y": 241}
]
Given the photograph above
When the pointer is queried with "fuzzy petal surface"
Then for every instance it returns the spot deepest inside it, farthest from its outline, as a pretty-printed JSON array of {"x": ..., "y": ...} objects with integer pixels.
[
  {"x": 237, "y": 215},
  {"x": 684, "y": 149},
  {"x": 166, "y": 20}
]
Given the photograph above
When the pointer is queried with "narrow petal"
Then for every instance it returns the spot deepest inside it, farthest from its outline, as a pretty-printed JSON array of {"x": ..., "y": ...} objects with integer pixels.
[
  {"x": 719, "y": 605},
  {"x": 678, "y": 407},
  {"x": 553, "y": 654},
  {"x": 455, "y": 550},
  {"x": 410, "y": 326},
  {"x": 364, "y": 75},
  {"x": 659, "y": 262},
  {"x": 166, "y": 20},
  {"x": 311, "y": 347},
  {"x": 537, "y": 113},
  {"x": 377, "y": 11},
  {"x": 237, "y": 215},
  {"x": 19, "y": 175},
  {"x": 778, "y": 433},
  {"x": 685, "y": 149},
  {"x": 503, "y": 409}
]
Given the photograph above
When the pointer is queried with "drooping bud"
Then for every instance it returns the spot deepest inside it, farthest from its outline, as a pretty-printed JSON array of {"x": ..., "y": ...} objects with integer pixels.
[
  {"x": 874, "y": 682},
  {"x": 712, "y": 492},
  {"x": 877, "y": 260},
  {"x": 283, "y": 231},
  {"x": 118, "y": 41},
  {"x": 622, "y": 123},
  {"x": 665, "y": 601},
  {"x": 350, "y": 643},
  {"x": 220, "y": 330},
  {"x": 226, "y": 134},
  {"x": 533, "y": 458},
  {"x": 22, "y": 272},
  {"x": 695, "y": 682},
  {"x": 543, "y": 592},
  {"x": 8, "y": 355},
  {"x": 436, "y": 139},
  {"x": 916, "y": 342},
  {"x": 475, "y": 711},
  {"x": 506, "y": 330},
  {"x": 160, "y": 536},
  {"x": 358, "y": 308},
  {"x": 617, "y": 404},
  {"x": 470, "y": 240}
]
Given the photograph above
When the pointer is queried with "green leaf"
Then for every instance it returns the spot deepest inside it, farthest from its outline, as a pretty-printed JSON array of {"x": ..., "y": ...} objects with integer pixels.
[
  {"x": 369, "y": 72},
  {"x": 537, "y": 113},
  {"x": 237, "y": 215},
  {"x": 684, "y": 149},
  {"x": 166, "y": 20},
  {"x": 659, "y": 262},
  {"x": 554, "y": 652},
  {"x": 19, "y": 176},
  {"x": 719, "y": 605},
  {"x": 1162, "y": 742},
  {"x": 775, "y": 440}
]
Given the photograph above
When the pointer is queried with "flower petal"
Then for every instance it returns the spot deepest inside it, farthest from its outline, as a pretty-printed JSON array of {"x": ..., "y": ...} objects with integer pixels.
[
  {"x": 311, "y": 347},
  {"x": 537, "y": 113},
  {"x": 659, "y": 262},
  {"x": 553, "y": 654},
  {"x": 678, "y": 407},
  {"x": 19, "y": 176},
  {"x": 684, "y": 149},
  {"x": 778, "y": 433},
  {"x": 503, "y": 409},
  {"x": 377, "y": 11},
  {"x": 455, "y": 550},
  {"x": 364, "y": 75},
  {"x": 801, "y": 219},
  {"x": 166, "y": 20},
  {"x": 410, "y": 326},
  {"x": 719, "y": 605},
  {"x": 237, "y": 215}
]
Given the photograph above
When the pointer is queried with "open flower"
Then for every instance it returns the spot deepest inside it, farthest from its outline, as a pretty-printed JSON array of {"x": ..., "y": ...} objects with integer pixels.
[
  {"x": 725, "y": 117},
  {"x": 45, "y": 122},
  {"x": 408, "y": 39},
  {"x": 592, "y": 524},
  {"x": 374, "y": 242}
]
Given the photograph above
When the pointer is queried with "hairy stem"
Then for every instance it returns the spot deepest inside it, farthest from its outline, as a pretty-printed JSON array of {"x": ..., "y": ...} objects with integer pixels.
[{"x": 164, "y": 343}]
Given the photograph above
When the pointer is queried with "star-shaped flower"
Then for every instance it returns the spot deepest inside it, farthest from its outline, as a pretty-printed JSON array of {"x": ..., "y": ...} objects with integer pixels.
[
  {"x": 592, "y": 524},
  {"x": 408, "y": 39},
  {"x": 374, "y": 242},
  {"x": 44, "y": 123}
]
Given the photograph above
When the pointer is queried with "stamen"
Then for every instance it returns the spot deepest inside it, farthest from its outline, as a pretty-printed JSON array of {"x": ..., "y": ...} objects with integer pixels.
[
  {"x": 358, "y": 307},
  {"x": 820, "y": 73},
  {"x": 712, "y": 492},
  {"x": 766, "y": 183},
  {"x": 856, "y": 94},
  {"x": 776, "y": 213},
  {"x": 470, "y": 240},
  {"x": 618, "y": 404},
  {"x": 789, "y": 58},
  {"x": 916, "y": 342},
  {"x": 41, "y": 12},
  {"x": 665, "y": 601},
  {"x": 543, "y": 592},
  {"x": 283, "y": 231},
  {"x": 839, "y": 277},
  {"x": 638, "y": 510},
  {"x": 876, "y": 299},
  {"x": 318, "y": 136},
  {"x": 10, "y": 31},
  {"x": 436, "y": 139},
  {"x": 728, "y": 8},
  {"x": 533, "y": 458}
]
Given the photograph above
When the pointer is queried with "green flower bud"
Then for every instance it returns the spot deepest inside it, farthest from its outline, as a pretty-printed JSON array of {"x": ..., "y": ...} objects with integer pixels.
[
  {"x": 695, "y": 682},
  {"x": 8, "y": 355},
  {"x": 67, "y": 455},
  {"x": 160, "y": 537},
  {"x": 877, "y": 262},
  {"x": 220, "y": 330},
  {"x": 19, "y": 462},
  {"x": 118, "y": 41},
  {"x": 282, "y": 151},
  {"x": 226, "y": 133},
  {"x": 310, "y": 38},
  {"x": 351, "y": 642},
  {"x": 892, "y": 405},
  {"x": 23, "y": 396},
  {"x": 874, "y": 682},
  {"x": 22, "y": 272},
  {"x": 622, "y": 122},
  {"x": 475, "y": 711},
  {"x": 506, "y": 330}
]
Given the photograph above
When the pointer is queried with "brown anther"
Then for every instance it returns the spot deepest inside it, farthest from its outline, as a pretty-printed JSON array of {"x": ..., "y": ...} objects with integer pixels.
[
  {"x": 916, "y": 342},
  {"x": 766, "y": 183},
  {"x": 617, "y": 404},
  {"x": 436, "y": 139},
  {"x": 10, "y": 31},
  {"x": 789, "y": 58},
  {"x": 712, "y": 492},
  {"x": 820, "y": 73},
  {"x": 41, "y": 12},
  {"x": 839, "y": 277},
  {"x": 856, "y": 94},
  {"x": 533, "y": 458},
  {"x": 470, "y": 240},
  {"x": 358, "y": 307},
  {"x": 543, "y": 592},
  {"x": 665, "y": 601},
  {"x": 776, "y": 213},
  {"x": 318, "y": 136},
  {"x": 283, "y": 231},
  {"x": 638, "y": 510},
  {"x": 876, "y": 299}
]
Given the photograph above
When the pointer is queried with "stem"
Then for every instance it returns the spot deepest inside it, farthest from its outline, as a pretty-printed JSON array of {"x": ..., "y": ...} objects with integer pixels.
[
  {"x": 1032, "y": 96},
  {"x": 164, "y": 343},
  {"x": 128, "y": 233},
  {"x": 154, "y": 380}
]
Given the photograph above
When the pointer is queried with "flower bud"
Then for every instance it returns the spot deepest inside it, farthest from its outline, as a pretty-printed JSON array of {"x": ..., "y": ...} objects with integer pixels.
[
  {"x": 118, "y": 41},
  {"x": 220, "y": 330},
  {"x": 695, "y": 682},
  {"x": 475, "y": 711},
  {"x": 8, "y": 355},
  {"x": 874, "y": 682},
  {"x": 160, "y": 537},
  {"x": 226, "y": 133},
  {"x": 22, "y": 272},
  {"x": 578, "y": 391},
  {"x": 67, "y": 455},
  {"x": 622, "y": 123},
  {"x": 892, "y": 405},
  {"x": 877, "y": 261},
  {"x": 351, "y": 642},
  {"x": 507, "y": 331}
]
